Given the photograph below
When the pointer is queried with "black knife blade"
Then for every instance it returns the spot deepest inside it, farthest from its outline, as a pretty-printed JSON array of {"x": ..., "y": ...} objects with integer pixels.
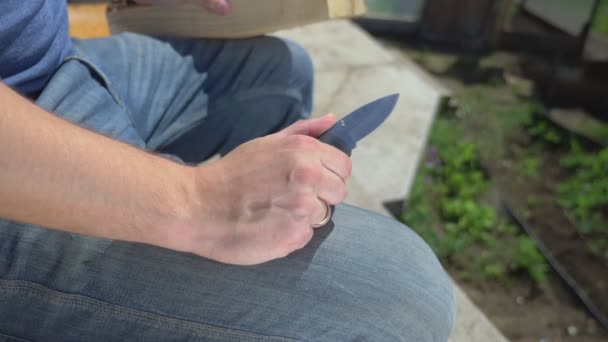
[{"x": 345, "y": 134}]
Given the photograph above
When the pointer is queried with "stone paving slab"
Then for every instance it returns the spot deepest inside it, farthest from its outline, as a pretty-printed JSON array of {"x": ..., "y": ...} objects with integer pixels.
[
  {"x": 338, "y": 44},
  {"x": 353, "y": 69}
]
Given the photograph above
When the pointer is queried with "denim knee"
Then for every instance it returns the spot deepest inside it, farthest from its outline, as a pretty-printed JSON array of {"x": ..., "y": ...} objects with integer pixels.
[
  {"x": 302, "y": 75},
  {"x": 300, "y": 63},
  {"x": 423, "y": 308},
  {"x": 408, "y": 296},
  {"x": 296, "y": 66},
  {"x": 436, "y": 303}
]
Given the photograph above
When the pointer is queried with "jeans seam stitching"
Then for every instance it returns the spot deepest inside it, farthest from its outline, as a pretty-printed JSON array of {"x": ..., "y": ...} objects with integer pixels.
[{"x": 154, "y": 319}]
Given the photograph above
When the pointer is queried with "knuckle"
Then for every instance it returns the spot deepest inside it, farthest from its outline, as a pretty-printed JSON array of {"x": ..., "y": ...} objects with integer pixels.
[
  {"x": 301, "y": 141},
  {"x": 305, "y": 174}
]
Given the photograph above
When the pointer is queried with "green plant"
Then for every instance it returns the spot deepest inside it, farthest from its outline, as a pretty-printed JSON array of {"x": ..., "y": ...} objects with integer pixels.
[
  {"x": 445, "y": 209},
  {"x": 495, "y": 270},
  {"x": 530, "y": 167},
  {"x": 600, "y": 24},
  {"x": 491, "y": 122},
  {"x": 584, "y": 194},
  {"x": 545, "y": 132},
  {"x": 528, "y": 258},
  {"x": 533, "y": 201},
  {"x": 514, "y": 10}
]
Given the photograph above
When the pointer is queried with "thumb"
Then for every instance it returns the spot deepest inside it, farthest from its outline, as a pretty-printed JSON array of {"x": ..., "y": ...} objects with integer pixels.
[{"x": 312, "y": 128}]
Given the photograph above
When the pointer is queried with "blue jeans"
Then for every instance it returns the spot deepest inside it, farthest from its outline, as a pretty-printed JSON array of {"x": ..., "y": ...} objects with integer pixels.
[{"x": 363, "y": 277}]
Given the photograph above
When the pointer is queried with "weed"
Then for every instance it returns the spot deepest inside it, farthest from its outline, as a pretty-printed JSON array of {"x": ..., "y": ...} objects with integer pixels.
[
  {"x": 528, "y": 258},
  {"x": 530, "y": 167},
  {"x": 495, "y": 270},
  {"x": 444, "y": 208},
  {"x": 584, "y": 195},
  {"x": 533, "y": 201},
  {"x": 546, "y": 132}
]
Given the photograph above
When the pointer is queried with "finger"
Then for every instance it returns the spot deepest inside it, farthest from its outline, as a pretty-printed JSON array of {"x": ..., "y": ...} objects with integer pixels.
[
  {"x": 320, "y": 214},
  {"x": 331, "y": 188},
  {"x": 335, "y": 161},
  {"x": 221, "y": 7},
  {"x": 312, "y": 127},
  {"x": 331, "y": 158}
]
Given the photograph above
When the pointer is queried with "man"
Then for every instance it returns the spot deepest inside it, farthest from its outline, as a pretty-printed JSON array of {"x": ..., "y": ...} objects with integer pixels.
[{"x": 139, "y": 245}]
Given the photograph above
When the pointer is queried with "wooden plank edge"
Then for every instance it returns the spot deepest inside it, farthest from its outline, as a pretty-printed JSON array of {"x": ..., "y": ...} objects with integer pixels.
[
  {"x": 191, "y": 21},
  {"x": 346, "y": 8},
  {"x": 88, "y": 20}
]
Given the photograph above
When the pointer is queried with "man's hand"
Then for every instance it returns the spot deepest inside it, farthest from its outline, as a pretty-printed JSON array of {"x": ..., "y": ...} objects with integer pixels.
[
  {"x": 258, "y": 203},
  {"x": 220, "y": 7}
]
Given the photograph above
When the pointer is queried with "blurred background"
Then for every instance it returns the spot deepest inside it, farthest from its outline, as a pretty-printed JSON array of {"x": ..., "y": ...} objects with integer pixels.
[{"x": 512, "y": 191}]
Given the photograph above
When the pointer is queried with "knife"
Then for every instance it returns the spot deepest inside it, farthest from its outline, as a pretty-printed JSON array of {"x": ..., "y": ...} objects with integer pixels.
[{"x": 345, "y": 133}]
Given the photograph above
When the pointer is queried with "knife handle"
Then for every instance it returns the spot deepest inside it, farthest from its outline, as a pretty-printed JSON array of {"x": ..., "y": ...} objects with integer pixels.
[{"x": 335, "y": 141}]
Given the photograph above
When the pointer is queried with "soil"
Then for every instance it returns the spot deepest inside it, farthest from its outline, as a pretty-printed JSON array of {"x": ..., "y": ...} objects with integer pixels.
[
  {"x": 549, "y": 224},
  {"x": 551, "y": 311},
  {"x": 523, "y": 310}
]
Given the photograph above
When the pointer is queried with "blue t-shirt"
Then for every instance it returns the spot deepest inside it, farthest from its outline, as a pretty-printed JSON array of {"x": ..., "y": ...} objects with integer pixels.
[{"x": 34, "y": 40}]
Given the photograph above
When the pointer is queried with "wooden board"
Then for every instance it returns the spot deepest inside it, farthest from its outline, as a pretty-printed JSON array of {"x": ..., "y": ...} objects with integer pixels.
[
  {"x": 345, "y": 8},
  {"x": 249, "y": 18},
  {"x": 88, "y": 20}
]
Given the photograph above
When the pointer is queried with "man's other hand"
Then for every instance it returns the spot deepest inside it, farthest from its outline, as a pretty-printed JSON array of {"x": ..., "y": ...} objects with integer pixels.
[
  {"x": 259, "y": 202},
  {"x": 220, "y": 7}
]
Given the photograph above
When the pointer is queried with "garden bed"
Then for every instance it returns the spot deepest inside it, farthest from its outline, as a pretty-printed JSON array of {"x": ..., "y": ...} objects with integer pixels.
[
  {"x": 529, "y": 186},
  {"x": 492, "y": 157}
]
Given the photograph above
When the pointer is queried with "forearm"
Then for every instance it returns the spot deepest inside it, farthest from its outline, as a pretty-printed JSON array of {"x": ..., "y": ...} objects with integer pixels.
[
  {"x": 256, "y": 204},
  {"x": 58, "y": 175}
]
